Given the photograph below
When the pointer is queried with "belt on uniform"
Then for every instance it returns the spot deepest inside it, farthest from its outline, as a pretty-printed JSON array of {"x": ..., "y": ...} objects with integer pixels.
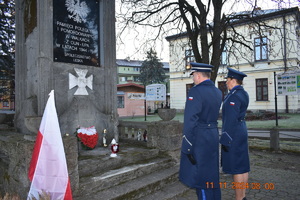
[{"x": 208, "y": 125}]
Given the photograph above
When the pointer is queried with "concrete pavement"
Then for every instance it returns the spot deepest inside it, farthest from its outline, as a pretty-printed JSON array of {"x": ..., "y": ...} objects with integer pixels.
[{"x": 273, "y": 176}]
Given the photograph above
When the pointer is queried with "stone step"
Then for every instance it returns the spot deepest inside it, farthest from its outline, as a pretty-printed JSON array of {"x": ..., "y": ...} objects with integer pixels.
[
  {"x": 5, "y": 127},
  {"x": 98, "y": 161},
  {"x": 124, "y": 174},
  {"x": 135, "y": 142},
  {"x": 138, "y": 187},
  {"x": 169, "y": 192}
]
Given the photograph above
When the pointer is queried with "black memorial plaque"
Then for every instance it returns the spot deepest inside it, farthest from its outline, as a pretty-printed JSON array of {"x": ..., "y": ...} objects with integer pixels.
[{"x": 76, "y": 31}]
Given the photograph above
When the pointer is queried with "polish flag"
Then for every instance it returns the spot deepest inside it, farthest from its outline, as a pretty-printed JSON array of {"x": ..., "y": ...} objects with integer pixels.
[{"x": 48, "y": 170}]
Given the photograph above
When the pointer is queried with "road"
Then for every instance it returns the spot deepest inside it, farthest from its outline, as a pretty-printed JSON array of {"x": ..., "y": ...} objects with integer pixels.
[{"x": 282, "y": 134}]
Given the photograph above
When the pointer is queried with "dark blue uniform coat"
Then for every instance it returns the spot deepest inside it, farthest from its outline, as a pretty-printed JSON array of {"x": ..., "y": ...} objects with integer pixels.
[
  {"x": 200, "y": 137},
  {"x": 235, "y": 160}
]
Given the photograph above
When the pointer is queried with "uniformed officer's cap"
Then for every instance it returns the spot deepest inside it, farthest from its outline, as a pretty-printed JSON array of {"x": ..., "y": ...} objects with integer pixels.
[
  {"x": 200, "y": 67},
  {"x": 232, "y": 73}
]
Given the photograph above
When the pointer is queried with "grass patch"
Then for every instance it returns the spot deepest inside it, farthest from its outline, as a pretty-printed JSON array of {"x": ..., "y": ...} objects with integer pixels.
[{"x": 291, "y": 122}]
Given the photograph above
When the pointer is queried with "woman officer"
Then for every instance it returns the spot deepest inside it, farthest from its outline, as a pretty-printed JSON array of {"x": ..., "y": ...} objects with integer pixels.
[{"x": 234, "y": 139}]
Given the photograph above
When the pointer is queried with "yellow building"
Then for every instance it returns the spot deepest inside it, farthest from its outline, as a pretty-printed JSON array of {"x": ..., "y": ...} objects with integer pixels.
[{"x": 275, "y": 51}]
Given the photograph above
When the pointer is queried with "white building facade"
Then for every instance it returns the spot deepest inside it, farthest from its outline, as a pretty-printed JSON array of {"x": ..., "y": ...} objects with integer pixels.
[{"x": 275, "y": 50}]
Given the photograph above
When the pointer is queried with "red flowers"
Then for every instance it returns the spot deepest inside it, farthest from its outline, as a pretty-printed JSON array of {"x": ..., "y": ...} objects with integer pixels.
[
  {"x": 88, "y": 136},
  {"x": 89, "y": 140}
]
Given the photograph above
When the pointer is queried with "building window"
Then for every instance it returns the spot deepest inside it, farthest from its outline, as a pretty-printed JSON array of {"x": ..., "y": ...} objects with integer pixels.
[
  {"x": 120, "y": 101},
  {"x": 223, "y": 87},
  {"x": 189, "y": 56},
  {"x": 122, "y": 79},
  {"x": 6, "y": 104},
  {"x": 188, "y": 87},
  {"x": 261, "y": 48},
  {"x": 224, "y": 57},
  {"x": 136, "y": 79},
  {"x": 262, "y": 89}
]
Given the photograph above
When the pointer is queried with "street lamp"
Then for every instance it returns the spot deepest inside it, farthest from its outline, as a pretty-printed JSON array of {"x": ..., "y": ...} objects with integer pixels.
[{"x": 188, "y": 66}]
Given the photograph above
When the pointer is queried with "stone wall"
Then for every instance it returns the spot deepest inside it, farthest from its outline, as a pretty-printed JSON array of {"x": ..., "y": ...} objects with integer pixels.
[
  {"x": 163, "y": 135},
  {"x": 15, "y": 156}
]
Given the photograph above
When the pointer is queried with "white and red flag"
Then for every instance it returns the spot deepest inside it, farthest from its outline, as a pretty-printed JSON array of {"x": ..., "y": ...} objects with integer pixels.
[{"x": 48, "y": 170}]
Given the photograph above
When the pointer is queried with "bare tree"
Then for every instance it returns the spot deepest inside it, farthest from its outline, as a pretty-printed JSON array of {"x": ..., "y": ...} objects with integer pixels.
[{"x": 204, "y": 22}]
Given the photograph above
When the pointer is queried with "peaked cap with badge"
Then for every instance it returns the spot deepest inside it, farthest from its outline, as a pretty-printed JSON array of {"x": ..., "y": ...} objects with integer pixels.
[
  {"x": 200, "y": 67},
  {"x": 232, "y": 73}
]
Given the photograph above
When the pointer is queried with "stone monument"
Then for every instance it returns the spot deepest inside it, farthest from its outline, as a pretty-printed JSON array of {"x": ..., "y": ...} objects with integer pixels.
[{"x": 67, "y": 46}]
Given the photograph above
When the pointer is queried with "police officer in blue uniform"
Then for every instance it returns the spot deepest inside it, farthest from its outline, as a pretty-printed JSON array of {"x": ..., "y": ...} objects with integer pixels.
[
  {"x": 234, "y": 138},
  {"x": 199, "y": 163}
]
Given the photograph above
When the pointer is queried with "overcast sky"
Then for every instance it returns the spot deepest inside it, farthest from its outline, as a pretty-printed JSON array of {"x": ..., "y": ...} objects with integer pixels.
[{"x": 132, "y": 40}]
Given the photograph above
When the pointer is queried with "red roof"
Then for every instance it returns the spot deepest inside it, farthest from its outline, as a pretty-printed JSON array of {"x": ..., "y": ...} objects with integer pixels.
[{"x": 130, "y": 84}]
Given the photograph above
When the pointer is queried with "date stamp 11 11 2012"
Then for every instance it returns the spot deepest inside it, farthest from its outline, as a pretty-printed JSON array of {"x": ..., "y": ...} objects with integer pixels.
[{"x": 242, "y": 185}]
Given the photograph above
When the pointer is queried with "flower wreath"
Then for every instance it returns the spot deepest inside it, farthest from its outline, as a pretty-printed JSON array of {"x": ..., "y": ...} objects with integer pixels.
[{"x": 87, "y": 136}]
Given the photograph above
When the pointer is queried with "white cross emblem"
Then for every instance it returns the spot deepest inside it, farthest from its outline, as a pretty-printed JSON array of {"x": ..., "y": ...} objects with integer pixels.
[{"x": 81, "y": 81}]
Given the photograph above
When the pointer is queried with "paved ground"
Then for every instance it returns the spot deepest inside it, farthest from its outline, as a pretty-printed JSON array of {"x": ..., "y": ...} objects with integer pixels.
[{"x": 273, "y": 176}]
